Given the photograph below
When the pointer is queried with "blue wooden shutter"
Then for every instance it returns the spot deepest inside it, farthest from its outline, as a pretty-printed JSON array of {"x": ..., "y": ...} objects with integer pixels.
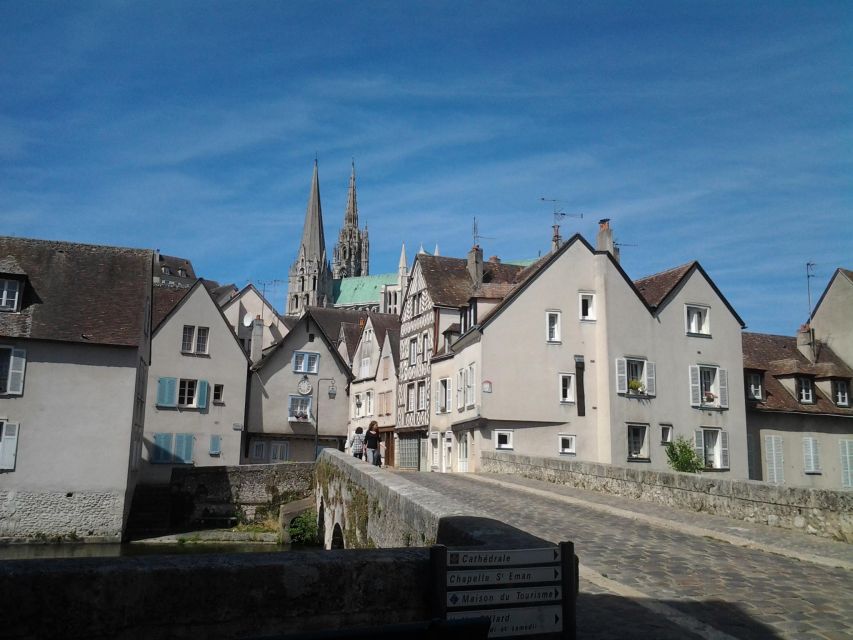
[
  {"x": 184, "y": 448},
  {"x": 695, "y": 387},
  {"x": 8, "y": 444},
  {"x": 215, "y": 445},
  {"x": 651, "y": 381},
  {"x": 167, "y": 392},
  {"x": 723, "y": 377},
  {"x": 621, "y": 375},
  {"x": 201, "y": 394},
  {"x": 17, "y": 365},
  {"x": 162, "y": 448}
]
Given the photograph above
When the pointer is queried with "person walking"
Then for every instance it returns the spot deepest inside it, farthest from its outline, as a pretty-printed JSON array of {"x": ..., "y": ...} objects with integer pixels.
[
  {"x": 371, "y": 442},
  {"x": 356, "y": 443}
]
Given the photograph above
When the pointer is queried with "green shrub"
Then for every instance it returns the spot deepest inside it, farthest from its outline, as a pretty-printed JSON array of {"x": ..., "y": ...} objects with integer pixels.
[
  {"x": 682, "y": 457},
  {"x": 303, "y": 529}
]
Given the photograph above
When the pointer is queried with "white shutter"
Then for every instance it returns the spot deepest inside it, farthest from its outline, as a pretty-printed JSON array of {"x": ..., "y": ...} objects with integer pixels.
[
  {"x": 723, "y": 378},
  {"x": 438, "y": 398},
  {"x": 699, "y": 444},
  {"x": 621, "y": 375},
  {"x": 16, "y": 372},
  {"x": 8, "y": 444},
  {"x": 651, "y": 380},
  {"x": 459, "y": 389},
  {"x": 846, "y": 463},
  {"x": 695, "y": 387},
  {"x": 449, "y": 398},
  {"x": 724, "y": 449},
  {"x": 774, "y": 459}
]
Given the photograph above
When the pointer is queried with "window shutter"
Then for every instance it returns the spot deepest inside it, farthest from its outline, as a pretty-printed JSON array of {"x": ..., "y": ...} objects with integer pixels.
[
  {"x": 201, "y": 394},
  {"x": 16, "y": 372},
  {"x": 215, "y": 445},
  {"x": 438, "y": 399},
  {"x": 695, "y": 387},
  {"x": 699, "y": 444},
  {"x": 811, "y": 456},
  {"x": 621, "y": 375},
  {"x": 774, "y": 459},
  {"x": 846, "y": 463},
  {"x": 184, "y": 448},
  {"x": 651, "y": 379},
  {"x": 8, "y": 445},
  {"x": 167, "y": 392},
  {"x": 724, "y": 449},
  {"x": 723, "y": 377},
  {"x": 162, "y": 447}
]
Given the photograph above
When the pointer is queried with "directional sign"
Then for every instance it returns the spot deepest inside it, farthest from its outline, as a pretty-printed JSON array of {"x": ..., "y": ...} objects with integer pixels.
[
  {"x": 502, "y": 597},
  {"x": 494, "y": 577},
  {"x": 517, "y": 622},
  {"x": 502, "y": 558}
]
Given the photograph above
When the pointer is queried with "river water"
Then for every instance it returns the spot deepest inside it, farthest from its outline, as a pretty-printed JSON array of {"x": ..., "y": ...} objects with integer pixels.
[{"x": 83, "y": 550}]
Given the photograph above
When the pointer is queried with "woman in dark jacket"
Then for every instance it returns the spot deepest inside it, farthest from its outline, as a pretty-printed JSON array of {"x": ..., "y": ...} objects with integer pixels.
[{"x": 371, "y": 443}]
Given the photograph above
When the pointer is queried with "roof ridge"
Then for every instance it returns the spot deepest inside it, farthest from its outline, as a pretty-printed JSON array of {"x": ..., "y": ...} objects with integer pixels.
[
  {"x": 670, "y": 270},
  {"x": 80, "y": 244}
]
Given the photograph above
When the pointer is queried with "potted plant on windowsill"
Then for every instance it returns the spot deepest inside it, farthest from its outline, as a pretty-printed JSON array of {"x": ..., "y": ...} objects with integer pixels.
[
  {"x": 635, "y": 387},
  {"x": 710, "y": 397}
]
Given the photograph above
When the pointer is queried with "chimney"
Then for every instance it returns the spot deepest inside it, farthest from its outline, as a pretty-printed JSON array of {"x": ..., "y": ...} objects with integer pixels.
[
  {"x": 604, "y": 239},
  {"x": 257, "y": 347},
  {"x": 495, "y": 260},
  {"x": 805, "y": 342},
  {"x": 475, "y": 265},
  {"x": 556, "y": 239}
]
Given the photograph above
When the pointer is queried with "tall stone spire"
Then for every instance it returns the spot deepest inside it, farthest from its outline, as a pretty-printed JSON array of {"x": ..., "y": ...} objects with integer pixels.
[
  {"x": 351, "y": 214},
  {"x": 310, "y": 278},
  {"x": 351, "y": 255}
]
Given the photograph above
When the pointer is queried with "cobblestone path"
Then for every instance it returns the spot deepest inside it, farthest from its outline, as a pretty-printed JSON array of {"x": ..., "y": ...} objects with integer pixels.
[{"x": 641, "y": 580}]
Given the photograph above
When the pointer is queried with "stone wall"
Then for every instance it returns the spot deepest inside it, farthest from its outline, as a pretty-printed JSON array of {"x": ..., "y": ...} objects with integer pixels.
[
  {"x": 57, "y": 515},
  {"x": 818, "y": 512},
  {"x": 248, "y": 492}
]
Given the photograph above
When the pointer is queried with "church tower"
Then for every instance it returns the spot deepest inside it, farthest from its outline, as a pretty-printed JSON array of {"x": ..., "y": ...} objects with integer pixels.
[
  {"x": 310, "y": 280},
  {"x": 351, "y": 256}
]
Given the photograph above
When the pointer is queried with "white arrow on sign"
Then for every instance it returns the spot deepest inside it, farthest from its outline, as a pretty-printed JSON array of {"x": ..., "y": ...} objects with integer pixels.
[
  {"x": 517, "y": 622},
  {"x": 502, "y": 597},
  {"x": 502, "y": 557},
  {"x": 495, "y": 577}
]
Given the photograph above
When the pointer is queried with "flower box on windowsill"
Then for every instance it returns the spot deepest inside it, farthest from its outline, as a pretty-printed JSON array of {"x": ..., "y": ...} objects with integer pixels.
[{"x": 299, "y": 417}]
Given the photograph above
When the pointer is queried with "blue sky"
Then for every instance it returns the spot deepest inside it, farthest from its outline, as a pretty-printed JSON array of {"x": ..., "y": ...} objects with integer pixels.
[{"x": 717, "y": 131}]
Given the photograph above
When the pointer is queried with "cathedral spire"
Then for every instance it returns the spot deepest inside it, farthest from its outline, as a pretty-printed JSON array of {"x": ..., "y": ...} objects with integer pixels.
[
  {"x": 351, "y": 255},
  {"x": 313, "y": 239},
  {"x": 351, "y": 215}
]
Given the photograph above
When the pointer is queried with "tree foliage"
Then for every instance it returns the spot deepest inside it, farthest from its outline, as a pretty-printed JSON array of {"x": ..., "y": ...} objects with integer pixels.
[
  {"x": 682, "y": 457},
  {"x": 303, "y": 529}
]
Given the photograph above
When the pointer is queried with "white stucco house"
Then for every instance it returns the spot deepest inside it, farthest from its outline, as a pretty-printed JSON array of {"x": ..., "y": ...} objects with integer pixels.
[
  {"x": 74, "y": 355},
  {"x": 247, "y": 311},
  {"x": 197, "y": 393}
]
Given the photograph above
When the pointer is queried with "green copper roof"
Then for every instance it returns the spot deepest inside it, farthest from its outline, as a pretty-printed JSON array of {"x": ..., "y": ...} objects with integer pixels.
[
  {"x": 521, "y": 263},
  {"x": 361, "y": 290}
]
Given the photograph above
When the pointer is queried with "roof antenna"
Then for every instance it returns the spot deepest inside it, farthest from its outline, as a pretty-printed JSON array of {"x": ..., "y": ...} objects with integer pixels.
[
  {"x": 476, "y": 234},
  {"x": 559, "y": 214},
  {"x": 809, "y": 275},
  {"x": 273, "y": 285}
]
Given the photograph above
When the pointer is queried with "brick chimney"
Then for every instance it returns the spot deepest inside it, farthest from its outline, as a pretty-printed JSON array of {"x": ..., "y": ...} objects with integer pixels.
[
  {"x": 475, "y": 265},
  {"x": 604, "y": 239},
  {"x": 805, "y": 342},
  {"x": 495, "y": 260},
  {"x": 257, "y": 345}
]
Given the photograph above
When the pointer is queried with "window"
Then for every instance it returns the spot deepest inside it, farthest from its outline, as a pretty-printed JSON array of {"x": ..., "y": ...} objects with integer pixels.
[
  {"x": 552, "y": 326},
  {"x": 840, "y": 393},
  {"x": 754, "y": 390},
  {"x": 638, "y": 446},
  {"x": 567, "y": 443},
  {"x": 183, "y": 393},
  {"x": 410, "y": 397},
  {"x": 696, "y": 319},
  {"x": 469, "y": 386},
  {"x": 709, "y": 387},
  {"x": 503, "y": 439},
  {"x": 218, "y": 394},
  {"x": 712, "y": 446},
  {"x": 359, "y": 405},
  {"x": 846, "y": 447},
  {"x": 258, "y": 450},
  {"x": 586, "y": 304},
  {"x": 421, "y": 396},
  {"x": 774, "y": 459},
  {"x": 305, "y": 362},
  {"x": 186, "y": 393},
  {"x": 811, "y": 456},
  {"x": 665, "y": 433},
  {"x": 278, "y": 451},
  {"x": 188, "y": 339},
  {"x": 13, "y": 362},
  {"x": 8, "y": 444},
  {"x": 215, "y": 449},
  {"x": 368, "y": 403},
  {"x": 201, "y": 339},
  {"x": 365, "y": 367},
  {"x": 443, "y": 397},
  {"x": 413, "y": 351},
  {"x": 636, "y": 376},
  {"x": 805, "y": 391},
  {"x": 9, "y": 295},
  {"x": 173, "y": 448},
  {"x": 567, "y": 387},
  {"x": 299, "y": 408}
]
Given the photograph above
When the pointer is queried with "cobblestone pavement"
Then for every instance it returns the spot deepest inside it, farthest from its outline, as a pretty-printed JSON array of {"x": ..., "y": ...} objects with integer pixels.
[{"x": 650, "y": 580}]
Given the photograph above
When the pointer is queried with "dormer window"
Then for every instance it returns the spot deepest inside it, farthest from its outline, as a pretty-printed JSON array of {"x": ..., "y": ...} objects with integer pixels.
[
  {"x": 805, "y": 391},
  {"x": 182, "y": 273},
  {"x": 754, "y": 390},
  {"x": 841, "y": 393},
  {"x": 9, "y": 295},
  {"x": 166, "y": 271}
]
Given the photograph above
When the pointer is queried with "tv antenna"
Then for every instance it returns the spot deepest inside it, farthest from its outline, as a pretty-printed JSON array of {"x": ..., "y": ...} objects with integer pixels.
[
  {"x": 273, "y": 284},
  {"x": 476, "y": 233},
  {"x": 809, "y": 275},
  {"x": 559, "y": 214}
]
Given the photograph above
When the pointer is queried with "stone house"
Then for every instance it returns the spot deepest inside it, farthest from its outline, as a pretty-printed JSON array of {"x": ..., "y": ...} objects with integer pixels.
[
  {"x": 831, "y": 318},
  {"x": 579, "y": 361},
  {"x": 197, "y": 397},
  {"x": 249, "y": 311},
  {"x": 299, "y": 391},
  {"x": 74, "y": 354}
]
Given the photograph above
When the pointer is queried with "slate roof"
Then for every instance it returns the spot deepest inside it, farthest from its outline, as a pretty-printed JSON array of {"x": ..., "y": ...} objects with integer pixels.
[
  {"x": 361, "y": 289},
  {"x": 394, "y": 339},
  {"x": 351, "y": 334},
  {"x": 450, "y": 284},
  {"x": 330, "y": 320},
  {"x": 79, "y": 293},
  {"x": 166, "y": 299},
  {"x": 656, "y": 288},
  {"x": 174, "y": 263},
  {"x": 778, "y": 356},
  {"x": 382, "y": 323}
]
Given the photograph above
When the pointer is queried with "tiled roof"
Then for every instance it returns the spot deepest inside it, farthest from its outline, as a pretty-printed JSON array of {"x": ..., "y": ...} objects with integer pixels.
[
  {"x": 656, "y": 288},
  {"x": 778, "y": 356},
  {"x": 382, "y": 323},
  {"x": 174, "y": 263},
  {"x": 78, "y": 292},
  {"x": 361, "y": 289},
  {"x": 352, "y": 333},
  {"x": 330, "y": 320},
  {"x": 394, "y": 339},
  {"x": 450, "y": 284},
  {"x": 166, "y": 299}
]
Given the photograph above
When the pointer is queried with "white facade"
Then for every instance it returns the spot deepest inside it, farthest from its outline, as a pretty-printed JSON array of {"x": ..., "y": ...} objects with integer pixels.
[{"x": 244, "y": 308}]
